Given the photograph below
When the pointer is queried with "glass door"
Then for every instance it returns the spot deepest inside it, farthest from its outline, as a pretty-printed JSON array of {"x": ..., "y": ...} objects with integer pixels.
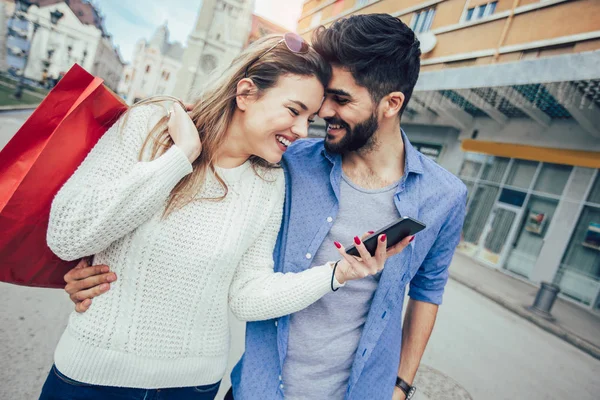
[
  {"x": 497, "y": 234},
  {"x": 478, "y": 214},
  {"x": 529, "y": 240}
]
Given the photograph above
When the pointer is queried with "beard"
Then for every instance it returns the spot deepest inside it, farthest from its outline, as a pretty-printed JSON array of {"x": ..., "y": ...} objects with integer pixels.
[{"x": 358, "y": 138}]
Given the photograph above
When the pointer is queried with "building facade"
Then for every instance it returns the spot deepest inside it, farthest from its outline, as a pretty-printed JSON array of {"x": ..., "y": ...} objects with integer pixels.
[
  {"x": 262, "y": 27},
  {"x": 509, "y": 100},
  {"x": 154, "y": 67},
  {"x": 108, "y": 63},
  {"x": 157, "y": 64},
  {"x": 78, "y": 37},
  {"x": 221, "y": 31},
  {"x": 6, "y": 10}
]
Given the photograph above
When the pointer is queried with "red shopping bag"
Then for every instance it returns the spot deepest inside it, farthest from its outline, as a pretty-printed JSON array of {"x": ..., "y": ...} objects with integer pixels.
[{"x": 35, "y": 164}]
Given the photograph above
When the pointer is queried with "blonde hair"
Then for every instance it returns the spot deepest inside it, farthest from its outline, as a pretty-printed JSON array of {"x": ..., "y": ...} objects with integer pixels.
[{"x": 213, "y": 111}]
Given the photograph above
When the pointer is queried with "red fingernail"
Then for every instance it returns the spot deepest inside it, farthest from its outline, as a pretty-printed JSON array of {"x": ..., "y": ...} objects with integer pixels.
[
  {"x": 411, "y": 239},
  {"x": 383, "y": 237},
  {"x": 356, "y": 240},
  {"x": 339, "y": 246},
  {"x": 371, "y": 232}
]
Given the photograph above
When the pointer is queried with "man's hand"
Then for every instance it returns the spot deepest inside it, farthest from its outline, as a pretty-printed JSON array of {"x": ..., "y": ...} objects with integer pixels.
[
  {"x": 84, "y": 282},
  {"x": 398, "y": 394}
]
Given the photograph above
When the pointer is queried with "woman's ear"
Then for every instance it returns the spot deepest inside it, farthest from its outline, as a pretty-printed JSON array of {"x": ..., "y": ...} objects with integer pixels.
[{"x": 244, "y": 94}]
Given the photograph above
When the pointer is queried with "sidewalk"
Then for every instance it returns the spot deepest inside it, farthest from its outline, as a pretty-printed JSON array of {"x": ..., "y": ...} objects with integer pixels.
[{"x": 573, "y": 324}]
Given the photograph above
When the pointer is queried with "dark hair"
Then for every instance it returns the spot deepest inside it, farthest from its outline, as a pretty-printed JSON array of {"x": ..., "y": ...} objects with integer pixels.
[{"x": 380, "y": 51}]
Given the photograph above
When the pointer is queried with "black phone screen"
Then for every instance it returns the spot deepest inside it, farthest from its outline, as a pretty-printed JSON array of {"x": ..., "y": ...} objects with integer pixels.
[{"x": 396, "y": 231}]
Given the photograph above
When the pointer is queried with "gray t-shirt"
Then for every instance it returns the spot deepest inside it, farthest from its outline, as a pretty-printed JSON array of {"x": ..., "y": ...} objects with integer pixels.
[{"x": 323, "y": 337}]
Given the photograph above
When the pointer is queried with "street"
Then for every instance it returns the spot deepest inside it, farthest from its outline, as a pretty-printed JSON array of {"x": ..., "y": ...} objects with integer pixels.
[{"x": 492, "y": 353}]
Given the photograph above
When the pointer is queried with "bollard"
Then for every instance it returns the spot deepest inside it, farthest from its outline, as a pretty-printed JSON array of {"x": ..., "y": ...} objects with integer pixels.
[{"x": 544, "y": 300}]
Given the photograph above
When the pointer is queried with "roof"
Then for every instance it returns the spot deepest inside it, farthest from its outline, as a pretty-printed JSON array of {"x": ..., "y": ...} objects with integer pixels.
[
  {"x": 83, "y": 10},
  {"x": 546, "y": 90}
]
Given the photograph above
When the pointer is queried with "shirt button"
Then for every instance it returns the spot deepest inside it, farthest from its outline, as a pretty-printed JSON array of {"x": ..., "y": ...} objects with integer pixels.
[
  {"x": 275, "y": 323},
  {"x": 280, "y": 379},
  {"x": 281, "y": 386},
  {"x": 308, "y": 256},
  {"x": 329, "y": 219}
]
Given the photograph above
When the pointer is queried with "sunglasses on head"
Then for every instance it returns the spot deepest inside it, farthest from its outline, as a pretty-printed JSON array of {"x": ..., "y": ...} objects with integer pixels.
[{"x": 294, "y": 42}]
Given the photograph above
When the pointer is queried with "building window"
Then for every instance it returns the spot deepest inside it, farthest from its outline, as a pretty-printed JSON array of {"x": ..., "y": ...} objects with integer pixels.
[
  {"x": 494, "y": 169},
  {"x": 552, "y": 179},
  {"x": 165, "y": 75},
  {"x": 482, "y": 11},
  {"x": 431, "y": 151},
  {"x": 362, "y": 3},
  {"x": 421, "y": 21},
  {"x": 522, "y": 173},
  {"x": 147, "y": 68},
  {"x": 579, "y": 272},
  {"x": 530, "y": 236}
]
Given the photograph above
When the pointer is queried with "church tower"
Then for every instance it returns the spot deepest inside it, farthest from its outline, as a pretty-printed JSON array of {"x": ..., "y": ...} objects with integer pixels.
[{"x": 221, "y": 30}]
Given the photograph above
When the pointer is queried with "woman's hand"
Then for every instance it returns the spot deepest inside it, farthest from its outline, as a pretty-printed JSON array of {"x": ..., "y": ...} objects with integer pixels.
[
  {"x": 184, "y": 133},
  {"x": 351, "y": 268}
]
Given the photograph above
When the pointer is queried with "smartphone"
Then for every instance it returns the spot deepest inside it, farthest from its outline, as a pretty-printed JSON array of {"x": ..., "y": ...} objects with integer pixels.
[{"x": 396, "y": 231}]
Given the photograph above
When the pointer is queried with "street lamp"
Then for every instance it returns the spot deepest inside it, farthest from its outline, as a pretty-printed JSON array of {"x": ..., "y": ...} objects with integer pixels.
[{"x": 55, "y": 16}]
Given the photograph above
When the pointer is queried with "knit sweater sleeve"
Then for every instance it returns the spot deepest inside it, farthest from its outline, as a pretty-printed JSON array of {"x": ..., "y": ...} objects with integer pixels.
[
  {"x": 258, "y": 293},
  {"x": 112, "y": 193}
]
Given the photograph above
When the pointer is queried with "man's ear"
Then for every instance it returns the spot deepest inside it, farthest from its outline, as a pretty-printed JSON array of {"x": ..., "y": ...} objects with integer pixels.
[
  {"x": 392, "y": 104},
  {"x": 245, "y": 91}
]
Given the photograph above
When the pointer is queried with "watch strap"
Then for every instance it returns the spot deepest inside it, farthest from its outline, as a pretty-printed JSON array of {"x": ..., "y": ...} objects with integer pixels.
[{"x": 408, "y": 390}]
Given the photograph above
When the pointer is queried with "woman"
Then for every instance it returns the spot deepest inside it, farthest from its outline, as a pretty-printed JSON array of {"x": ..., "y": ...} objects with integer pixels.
[{"x": 187, "y": 212}]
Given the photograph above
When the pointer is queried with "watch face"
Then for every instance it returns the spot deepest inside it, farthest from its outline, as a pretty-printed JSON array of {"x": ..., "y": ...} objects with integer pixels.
[{"x": 411, "y": 393}]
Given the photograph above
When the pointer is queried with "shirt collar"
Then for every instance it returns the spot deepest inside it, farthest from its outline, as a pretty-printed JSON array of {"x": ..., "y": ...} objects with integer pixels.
[{"x": 412, "y": 163}]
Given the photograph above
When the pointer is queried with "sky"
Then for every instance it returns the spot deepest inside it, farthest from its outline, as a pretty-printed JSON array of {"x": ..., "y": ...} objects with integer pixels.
[{"x": 131, "y": 20}]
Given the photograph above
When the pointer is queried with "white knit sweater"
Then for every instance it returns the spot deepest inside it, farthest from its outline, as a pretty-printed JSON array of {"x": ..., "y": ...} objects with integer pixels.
[{"x": 164, "y": 321}]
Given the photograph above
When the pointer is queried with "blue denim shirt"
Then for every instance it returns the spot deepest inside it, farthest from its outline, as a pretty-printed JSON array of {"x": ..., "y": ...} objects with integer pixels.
[{"x": 426, "y": 192}]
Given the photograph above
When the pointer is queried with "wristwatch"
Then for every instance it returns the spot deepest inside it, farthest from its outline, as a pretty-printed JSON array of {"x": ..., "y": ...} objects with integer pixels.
[{"x": 408, "y": 390}]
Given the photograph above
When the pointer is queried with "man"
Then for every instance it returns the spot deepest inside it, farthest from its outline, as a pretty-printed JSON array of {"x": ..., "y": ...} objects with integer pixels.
[{"x": 365, "y": 174}]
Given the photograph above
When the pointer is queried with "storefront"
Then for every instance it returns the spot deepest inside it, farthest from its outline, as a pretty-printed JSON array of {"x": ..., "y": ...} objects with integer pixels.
[
  {"x": 511, "y": 211},
  {"x": 525, "y": 139},
  {"x": 537, "y": 221}
]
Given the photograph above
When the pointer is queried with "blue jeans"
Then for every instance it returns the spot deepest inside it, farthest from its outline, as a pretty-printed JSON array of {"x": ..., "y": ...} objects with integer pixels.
[{"x": 60, "y": 387}]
